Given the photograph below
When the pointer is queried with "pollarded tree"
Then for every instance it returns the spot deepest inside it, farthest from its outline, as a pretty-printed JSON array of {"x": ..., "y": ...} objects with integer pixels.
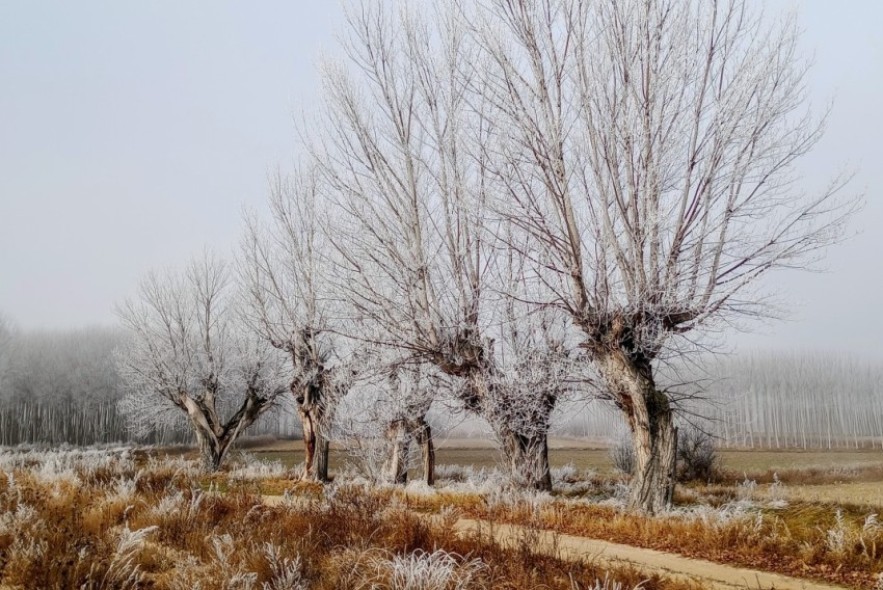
[
  {"x": 410, "y": 395},
  {"x": 398, "y": 154},
  {"x": 190, "y": 359},
  {"x": 283, "y": 276},
  {"x": 646, "y": 150},
  {"x": 534, "y": 369},
  {"x": 386, "y": 412}
]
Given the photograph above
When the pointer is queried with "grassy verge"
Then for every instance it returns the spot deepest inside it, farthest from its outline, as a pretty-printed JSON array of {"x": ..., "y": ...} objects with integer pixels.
[{"x": 841, "y": 545}]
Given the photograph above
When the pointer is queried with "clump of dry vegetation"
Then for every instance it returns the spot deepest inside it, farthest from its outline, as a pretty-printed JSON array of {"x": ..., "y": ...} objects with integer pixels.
[{"x": 111, "y": 520}]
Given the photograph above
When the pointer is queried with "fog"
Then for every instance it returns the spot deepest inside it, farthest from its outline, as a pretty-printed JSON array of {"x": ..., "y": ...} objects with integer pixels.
[{"x": 132, "y": 135}]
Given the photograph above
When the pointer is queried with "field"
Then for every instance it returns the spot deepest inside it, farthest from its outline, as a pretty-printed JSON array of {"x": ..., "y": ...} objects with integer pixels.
[
  {"x": 149, "y": 518},
  {"x": 853, "y": 476}
]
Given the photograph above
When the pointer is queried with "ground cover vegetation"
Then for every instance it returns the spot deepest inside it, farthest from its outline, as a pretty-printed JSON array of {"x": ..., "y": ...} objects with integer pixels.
[
  {"x": 140, "y": 518},
  {"x": 111, "y": 518}
]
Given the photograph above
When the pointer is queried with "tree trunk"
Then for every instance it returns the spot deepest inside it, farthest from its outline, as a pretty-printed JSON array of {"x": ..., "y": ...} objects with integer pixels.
[
  {"x": 323, "y": 453},
  {"x": 655, "y": 441},
  {"x": 651, "y": 421},
  {"x": 398, "y": 443},
  {"x": 210, "y": 450},
  {"x": 427, "y": 449},
  {"x": 315, "y": 448},
  {"x": 309, "y": 444},
  {"x": 527, "y": 457}
]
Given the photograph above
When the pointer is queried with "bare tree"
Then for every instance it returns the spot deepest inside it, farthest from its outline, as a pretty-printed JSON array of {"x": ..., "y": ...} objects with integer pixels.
[
  {"x": 533, "y": 371},
  {"x": 398, "y": 154},
  {"x": 402, "y": 405},
  {"x": 282, "y": 270},
  {"x": 646, "y": 152},
  {"x": 61, "y": 386},
  {"x": 387, "y": 413},
  {"x": 190, "y": 359}
]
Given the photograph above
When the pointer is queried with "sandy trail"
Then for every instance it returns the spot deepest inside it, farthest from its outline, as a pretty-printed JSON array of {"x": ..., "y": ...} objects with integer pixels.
[{"x": 572, "y": 548}]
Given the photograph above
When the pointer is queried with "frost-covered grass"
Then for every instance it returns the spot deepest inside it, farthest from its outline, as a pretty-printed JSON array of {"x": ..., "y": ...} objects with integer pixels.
[
  {"x": 755, "y": 525},
  {"x": 117, "y": 518},
  {"x": 738, "y": 527},
  {"x": 123, "y": 518}
]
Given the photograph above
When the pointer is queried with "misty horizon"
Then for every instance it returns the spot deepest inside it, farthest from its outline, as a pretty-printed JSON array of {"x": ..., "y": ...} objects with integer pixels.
[{"x": 133, "y": 137}]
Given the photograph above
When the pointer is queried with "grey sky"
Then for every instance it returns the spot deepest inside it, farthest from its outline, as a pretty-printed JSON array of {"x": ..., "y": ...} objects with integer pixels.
[{"x": 133, "y": 133}]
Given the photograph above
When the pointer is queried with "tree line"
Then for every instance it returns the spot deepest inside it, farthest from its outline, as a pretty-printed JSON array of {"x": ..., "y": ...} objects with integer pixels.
[{"x": 63, "y": 387}]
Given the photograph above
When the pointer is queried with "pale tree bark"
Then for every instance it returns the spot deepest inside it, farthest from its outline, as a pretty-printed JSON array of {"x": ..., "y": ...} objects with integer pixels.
[
  {"x": 188, "y": 358},
  {"x": 400, "y": 434},
  {"x": 284, "y": 274},
  {"x": 316, "y": 446},
  {"x": 650, "y": 419},
  {"x": 398, "y": 441},
  {"x": 528, "y": 459},
  {"x": 644, "y": 152}
]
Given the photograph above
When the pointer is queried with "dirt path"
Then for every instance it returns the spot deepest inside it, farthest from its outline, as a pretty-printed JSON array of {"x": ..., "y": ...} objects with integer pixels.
[
  {"x": 708, "y": 573},
  {"x": 572, "y": 548}
]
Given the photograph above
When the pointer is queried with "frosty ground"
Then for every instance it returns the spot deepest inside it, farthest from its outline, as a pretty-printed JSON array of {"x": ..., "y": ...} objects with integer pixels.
[{"x": 145, "y": 518}]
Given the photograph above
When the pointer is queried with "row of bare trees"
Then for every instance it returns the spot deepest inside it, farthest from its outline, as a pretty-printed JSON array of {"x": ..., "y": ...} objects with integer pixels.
[
  {"x": 61, "y": 387},
  {"x": 769, "y": 399},
  {"x": 810, "y": 400},
  {"x": 503, "y": 203}
]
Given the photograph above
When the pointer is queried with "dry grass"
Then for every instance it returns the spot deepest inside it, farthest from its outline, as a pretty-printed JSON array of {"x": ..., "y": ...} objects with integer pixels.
[
  {"x": 838, "y": 545},
  {"x": 857, "y": 493},
  {"x": 117, "y": 519},
  {"x": 138, "y": 522}
]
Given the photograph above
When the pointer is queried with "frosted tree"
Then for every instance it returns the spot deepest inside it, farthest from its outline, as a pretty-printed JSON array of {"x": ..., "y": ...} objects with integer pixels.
[
  {"x": 646, "y": 152},
  {"x": 398, "y": 154},
  {"x": 190, "y": 360},
  {"x": 534, "y": 369},
  {"x": 283, "y": 273},
  {"x": 386, "y": 414},
  {"x": 62, "y": 386}
]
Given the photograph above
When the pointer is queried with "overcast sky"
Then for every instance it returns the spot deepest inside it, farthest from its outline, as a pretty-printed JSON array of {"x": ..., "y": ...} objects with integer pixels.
[{"x": 132, "y": 134}]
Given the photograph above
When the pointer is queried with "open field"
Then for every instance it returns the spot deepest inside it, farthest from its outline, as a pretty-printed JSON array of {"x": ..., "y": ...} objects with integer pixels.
[{"x": 757, "y": 464}]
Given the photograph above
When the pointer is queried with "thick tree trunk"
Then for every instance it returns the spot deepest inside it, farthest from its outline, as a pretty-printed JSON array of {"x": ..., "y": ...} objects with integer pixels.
[
  {"x": 655, "y": 442},
  {"x": 527, "y": 458},
  {"x": 215, "y": 439},
  {"x": 651, "y": 421},
  {"x": 209, "y": 458},
  {"x": 309, "y": 434},
  {"x": 526, "y": 455},
  {"x": 323, "y": 452},
  {"x": 315, "y": 448},
  {"x": 210, "y": 449},
  {"x": 427, "y": 450},
  {"x": 398, "y": 444}
]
